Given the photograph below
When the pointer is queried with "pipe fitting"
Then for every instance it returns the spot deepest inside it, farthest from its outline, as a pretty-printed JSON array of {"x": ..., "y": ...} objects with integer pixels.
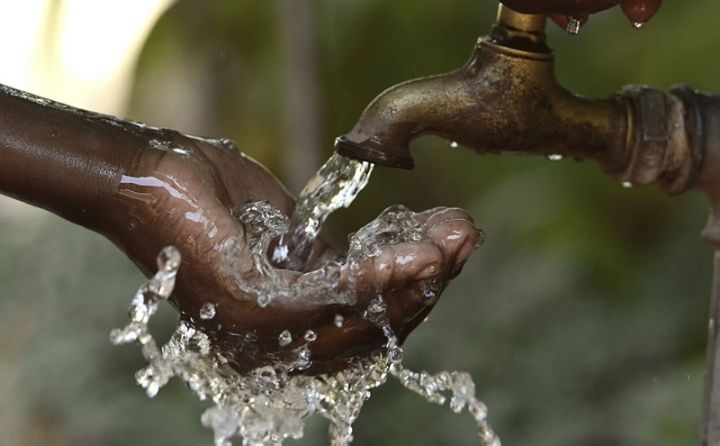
[{"x": 664, "y": 138}]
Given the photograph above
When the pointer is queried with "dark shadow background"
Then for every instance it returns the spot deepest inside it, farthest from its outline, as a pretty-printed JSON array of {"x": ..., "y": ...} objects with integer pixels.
[{"x": 582, "y": 319}]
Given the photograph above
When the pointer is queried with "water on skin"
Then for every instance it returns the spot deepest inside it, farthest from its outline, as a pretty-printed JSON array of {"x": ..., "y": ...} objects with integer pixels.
[
  {"x": 265, "y": 281},
  {"x": 271, "y": 404}
]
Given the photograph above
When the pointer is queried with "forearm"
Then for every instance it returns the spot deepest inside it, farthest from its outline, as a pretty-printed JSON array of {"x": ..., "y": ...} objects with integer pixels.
[{"x": 62, "y": 159}]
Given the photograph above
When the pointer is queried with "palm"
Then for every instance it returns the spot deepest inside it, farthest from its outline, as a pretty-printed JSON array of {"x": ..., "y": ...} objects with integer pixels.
[{"x": 187, "y": 193}]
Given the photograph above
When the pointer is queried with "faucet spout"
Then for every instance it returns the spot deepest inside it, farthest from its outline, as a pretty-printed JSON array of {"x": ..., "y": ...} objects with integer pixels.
[
  {"x": 505, "y": 99},
  {"x": 401, "y": 113}
]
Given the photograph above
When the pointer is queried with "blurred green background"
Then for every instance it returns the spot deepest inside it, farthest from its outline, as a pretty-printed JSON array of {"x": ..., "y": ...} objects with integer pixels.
[{"x": 582, "y": 319}]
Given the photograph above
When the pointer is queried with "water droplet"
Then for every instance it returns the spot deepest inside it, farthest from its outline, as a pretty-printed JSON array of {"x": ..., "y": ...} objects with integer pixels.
[
  {"x": 207, "y": 311},
  {"x": 169, "y": 258},
  {"x": 303, "y": 353},
  {"x": 415, "y": 235},
  {"x": 302, "y": 360},
  {"x": 429, "y": 294},
  {"x": 285, "y": 338},
  {"x": 280, "y": 254},
  {"x": 454, "y": 145},
  {"x": 377, "y": 306},
  {"x": 478, "y": 410},
  {"x": 554, "y": 157},
  {"x": 263, "y": 300},
  {"x": 395, "y": 355},
  {"x": 638, "y": 25},
  {"x": 627, "y": 184},
  {"x": 310, "y": 336},
  {"x": 339, "y": 320},
  {"x": 573, "y": 26},
  {"x": 181, "y": 151}
]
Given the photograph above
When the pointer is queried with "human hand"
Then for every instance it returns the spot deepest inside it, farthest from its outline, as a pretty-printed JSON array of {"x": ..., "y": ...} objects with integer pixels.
[
  {"x": 187, "y": 192},
  {"x": 637, "y": 11}
]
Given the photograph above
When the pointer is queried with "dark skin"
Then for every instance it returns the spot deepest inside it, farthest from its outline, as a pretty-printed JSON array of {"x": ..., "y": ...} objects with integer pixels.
[
  {"x": 637, "y": 11},
  {"x": 217, "y": 179},
  {"x": 146, "y": 188}
]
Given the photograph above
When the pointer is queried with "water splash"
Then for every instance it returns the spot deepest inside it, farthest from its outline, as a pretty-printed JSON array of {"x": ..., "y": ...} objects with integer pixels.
[
  {"x": 266, "y": 282},
  {"x": 334, "y": 186},
  {"x": 263, "y": 223},
  {"x": 310, "y": 336},
  {"x": 284, "y": 338},
  {"x": 270, "y": 403},
  {"x": 434, "y": 388}
]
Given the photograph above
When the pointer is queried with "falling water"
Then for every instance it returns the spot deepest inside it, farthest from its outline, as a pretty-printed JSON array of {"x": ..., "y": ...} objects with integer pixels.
[
  {"x": 270, "y": 404},
  {"x": 335, "y": 185}
]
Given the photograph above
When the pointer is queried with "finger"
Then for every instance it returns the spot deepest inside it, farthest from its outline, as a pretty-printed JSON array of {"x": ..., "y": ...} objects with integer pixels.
[
  {"x": 564, "y": 7},
  {"x": 399, "y": 264},
  {"x": 640, "y": 12},
  {"x": 562, "y": 20},
  {"x": 449, "y": 237},
  {"x": 454, "y": 232},
  {"x": 415, "y": 261},
  {"x": 439, "y": 215}
]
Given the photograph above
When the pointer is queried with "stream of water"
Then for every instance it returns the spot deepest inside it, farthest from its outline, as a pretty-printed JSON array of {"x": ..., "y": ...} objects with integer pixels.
[
  {"x": 334, "y": 186},
  {"x": 271, "y": 404}
]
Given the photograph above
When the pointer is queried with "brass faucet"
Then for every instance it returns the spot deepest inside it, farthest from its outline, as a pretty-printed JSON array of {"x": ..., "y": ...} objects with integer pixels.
[{"x": 506, "y": 99}]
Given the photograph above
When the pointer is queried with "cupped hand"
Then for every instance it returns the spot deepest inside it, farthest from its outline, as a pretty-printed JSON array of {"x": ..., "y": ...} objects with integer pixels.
[{"x": 188, "y": 192}]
